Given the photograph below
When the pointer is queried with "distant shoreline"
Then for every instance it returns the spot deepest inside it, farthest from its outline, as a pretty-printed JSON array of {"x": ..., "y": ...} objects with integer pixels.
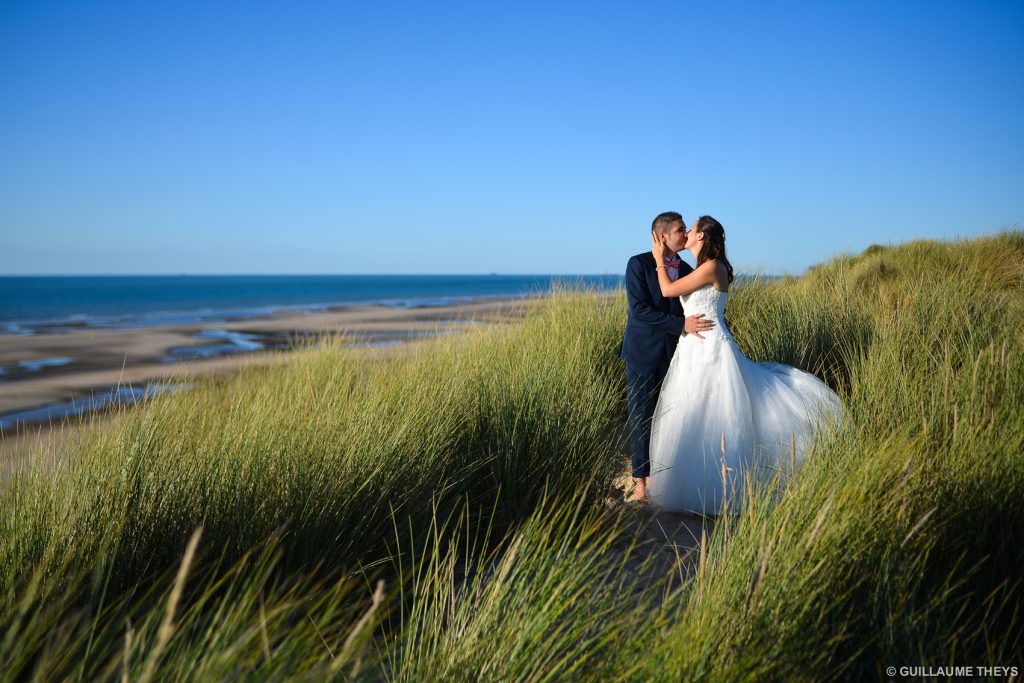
[
  {"x": 63, "y": 304},
  {"x": 227, "y": 316},
  {"x": 44, "y": 370}
]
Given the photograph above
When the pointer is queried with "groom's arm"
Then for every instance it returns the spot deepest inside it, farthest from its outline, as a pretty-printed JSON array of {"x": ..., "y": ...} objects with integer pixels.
[{"x": 641, "y": 305}]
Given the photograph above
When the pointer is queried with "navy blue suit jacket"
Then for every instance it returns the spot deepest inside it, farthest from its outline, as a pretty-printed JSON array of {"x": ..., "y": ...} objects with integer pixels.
[{"x": 654, "y": 322}]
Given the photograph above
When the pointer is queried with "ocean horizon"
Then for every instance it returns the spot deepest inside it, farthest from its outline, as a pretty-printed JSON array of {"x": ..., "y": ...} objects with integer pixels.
[{"x": 64, "y": 303}]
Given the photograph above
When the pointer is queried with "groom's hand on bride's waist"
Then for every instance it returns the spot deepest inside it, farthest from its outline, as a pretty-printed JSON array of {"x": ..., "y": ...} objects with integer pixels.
[{"x": 695, "y": 324}]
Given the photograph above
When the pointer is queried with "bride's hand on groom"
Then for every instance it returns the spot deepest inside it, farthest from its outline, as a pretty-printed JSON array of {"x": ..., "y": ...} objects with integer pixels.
[
  {"x": 695, "y": 324},
  {"x": 658, "y": 247}
]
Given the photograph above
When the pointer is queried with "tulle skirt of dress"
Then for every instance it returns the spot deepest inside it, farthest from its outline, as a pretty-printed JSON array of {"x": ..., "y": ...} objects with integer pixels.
[{"x": 712, "y": 396}]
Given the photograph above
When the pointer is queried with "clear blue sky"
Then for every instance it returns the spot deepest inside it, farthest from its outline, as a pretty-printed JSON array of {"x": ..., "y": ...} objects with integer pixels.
[{"x": 342, "y": 137}]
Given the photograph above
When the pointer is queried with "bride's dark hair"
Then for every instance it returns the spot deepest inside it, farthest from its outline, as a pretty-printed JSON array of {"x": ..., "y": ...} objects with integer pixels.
[{"x": 714, "y": 242}]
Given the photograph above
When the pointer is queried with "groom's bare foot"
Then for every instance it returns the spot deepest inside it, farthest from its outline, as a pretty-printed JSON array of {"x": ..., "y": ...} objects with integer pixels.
[{"x": 639, "y": 490}]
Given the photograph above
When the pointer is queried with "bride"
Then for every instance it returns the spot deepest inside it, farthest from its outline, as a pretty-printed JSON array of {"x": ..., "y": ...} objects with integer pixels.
[{"x": 722, "y": 417}]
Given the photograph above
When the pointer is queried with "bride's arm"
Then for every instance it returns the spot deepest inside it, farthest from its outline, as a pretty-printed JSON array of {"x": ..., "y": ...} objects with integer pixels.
[
  {"x": 704, "y": 275},
  {"x": 693, "y": 324}
]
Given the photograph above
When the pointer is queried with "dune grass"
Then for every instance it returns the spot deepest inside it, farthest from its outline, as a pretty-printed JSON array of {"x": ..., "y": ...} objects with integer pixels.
[{"x": 449, "y": 513}]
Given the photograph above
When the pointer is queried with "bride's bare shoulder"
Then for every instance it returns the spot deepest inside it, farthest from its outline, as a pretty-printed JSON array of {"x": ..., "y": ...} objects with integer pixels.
[{"x": 721, "y": 276}]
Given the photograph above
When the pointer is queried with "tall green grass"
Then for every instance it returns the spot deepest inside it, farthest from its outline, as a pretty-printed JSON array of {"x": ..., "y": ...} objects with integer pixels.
[
  {"x": 449, "y": 513},
  {"x": 896, "y": 544}
]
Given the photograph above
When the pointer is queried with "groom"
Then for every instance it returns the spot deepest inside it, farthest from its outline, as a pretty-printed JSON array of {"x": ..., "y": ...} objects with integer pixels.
[{"x": 653, "y": 327}]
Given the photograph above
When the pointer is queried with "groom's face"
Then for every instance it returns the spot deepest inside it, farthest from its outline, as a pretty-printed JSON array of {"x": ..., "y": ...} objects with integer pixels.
[{"x": 675, "y": 238}]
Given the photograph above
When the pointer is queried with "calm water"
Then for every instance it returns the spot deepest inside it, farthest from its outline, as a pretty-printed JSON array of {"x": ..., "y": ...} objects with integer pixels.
[{"x": 53, "y": 304}]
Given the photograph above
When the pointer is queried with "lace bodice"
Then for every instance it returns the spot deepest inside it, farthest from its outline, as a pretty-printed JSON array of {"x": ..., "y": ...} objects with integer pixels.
[{"x": 710, "y": 302}]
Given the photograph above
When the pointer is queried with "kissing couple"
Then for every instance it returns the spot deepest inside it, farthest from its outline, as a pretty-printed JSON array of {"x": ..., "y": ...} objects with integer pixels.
[{"x": 702, "y": 416}]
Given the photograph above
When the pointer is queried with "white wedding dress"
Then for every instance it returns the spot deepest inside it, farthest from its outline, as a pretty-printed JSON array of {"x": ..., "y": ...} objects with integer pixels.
[{"x": 713, "y": 394}]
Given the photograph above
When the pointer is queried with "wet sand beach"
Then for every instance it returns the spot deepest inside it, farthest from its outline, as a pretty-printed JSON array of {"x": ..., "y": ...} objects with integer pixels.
[{"x": 95, "y": 360}]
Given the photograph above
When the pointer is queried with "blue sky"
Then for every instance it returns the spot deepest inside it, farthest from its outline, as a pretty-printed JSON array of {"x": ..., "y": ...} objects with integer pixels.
[{"x": 249, "y": 137}]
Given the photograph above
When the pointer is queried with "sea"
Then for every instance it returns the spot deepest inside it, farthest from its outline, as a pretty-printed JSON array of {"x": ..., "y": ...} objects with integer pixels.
[
  {"x": 43, "y": 305},
  {"x": 53, "y": 304}
]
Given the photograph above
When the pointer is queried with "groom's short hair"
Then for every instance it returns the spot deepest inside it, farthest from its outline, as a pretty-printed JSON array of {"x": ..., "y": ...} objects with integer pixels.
[{"x": 664, "y": 222}]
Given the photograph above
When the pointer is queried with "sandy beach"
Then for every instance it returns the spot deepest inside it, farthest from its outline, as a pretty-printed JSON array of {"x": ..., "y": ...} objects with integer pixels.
[{"x": 101, "y": 359}]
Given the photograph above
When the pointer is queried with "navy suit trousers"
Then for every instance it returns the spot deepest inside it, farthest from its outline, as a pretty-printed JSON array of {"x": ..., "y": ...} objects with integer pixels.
[{"x": 643, "y": 384}]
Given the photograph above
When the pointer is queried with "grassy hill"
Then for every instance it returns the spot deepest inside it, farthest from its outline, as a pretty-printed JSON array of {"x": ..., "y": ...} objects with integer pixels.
[{"x": 449, "y": 514}]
